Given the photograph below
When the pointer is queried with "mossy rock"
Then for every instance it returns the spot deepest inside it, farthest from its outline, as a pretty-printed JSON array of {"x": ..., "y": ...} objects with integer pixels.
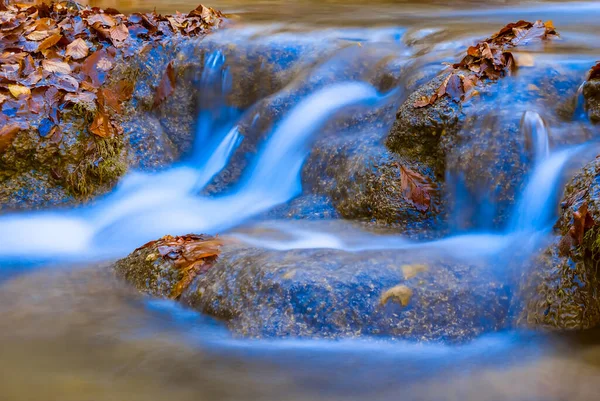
[{"x": 560, "y": 287}]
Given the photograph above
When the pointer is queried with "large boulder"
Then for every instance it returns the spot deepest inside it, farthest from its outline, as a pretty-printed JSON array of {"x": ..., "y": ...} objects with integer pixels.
[{"x": 332, "y": 293}]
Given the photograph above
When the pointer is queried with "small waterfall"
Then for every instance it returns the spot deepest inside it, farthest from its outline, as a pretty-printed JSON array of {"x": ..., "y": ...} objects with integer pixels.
[
  {"x": 147, "y": 206},
  {"x": 536, "y": 208},
  {"x": 535, "y": 132}
]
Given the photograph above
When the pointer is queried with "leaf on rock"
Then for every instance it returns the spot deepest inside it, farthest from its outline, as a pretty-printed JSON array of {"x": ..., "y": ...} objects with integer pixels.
[
  {"x": 415, "y": 189},
  {"x": 56, "y": 66},
  {"x": 96, "y": 66},
  {"x": 77, "y": 49},
  {"x": 87, "y": 99},
  {"x": 103, "y": 19},
  {"x": 49, "y": 42},
  {"x": 101, "y": 126},
  {"x": 119, "y": 33},
  {"x": 594, "y": 72},
  {"x": 454, "y": 88},
  {"x": 8, "y": 133},
  {"x": 166, "y": 86},
  {"x": 19, "y": 90}
]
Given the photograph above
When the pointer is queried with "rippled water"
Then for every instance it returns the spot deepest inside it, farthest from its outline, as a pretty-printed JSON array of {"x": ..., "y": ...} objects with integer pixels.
[{"x": 71, "y": 331}]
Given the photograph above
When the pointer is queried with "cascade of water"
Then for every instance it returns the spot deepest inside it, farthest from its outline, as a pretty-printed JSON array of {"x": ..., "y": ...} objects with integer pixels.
[
  {"x": 536, "y": 207},
  {"x": 147, "y": 206},
  {"x": 535, "y": 132}
]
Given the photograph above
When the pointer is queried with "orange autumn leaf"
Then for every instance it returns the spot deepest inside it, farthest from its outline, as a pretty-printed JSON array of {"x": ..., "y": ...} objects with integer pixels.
[{"x": 7, "y": 134}]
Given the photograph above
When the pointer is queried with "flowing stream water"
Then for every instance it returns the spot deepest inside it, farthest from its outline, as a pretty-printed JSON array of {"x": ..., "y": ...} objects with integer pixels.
[{"x": 70, "y": 331}]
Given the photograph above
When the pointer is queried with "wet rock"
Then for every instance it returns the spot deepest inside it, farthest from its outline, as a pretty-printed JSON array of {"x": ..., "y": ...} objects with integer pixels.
[
  {"x": 165, "y": 267},
  {"x": 591, "y": 94},
  {"x": 559, "y": 288},
  {"x": 480, "y": 141},
  {"x": 331, "y": 293}
]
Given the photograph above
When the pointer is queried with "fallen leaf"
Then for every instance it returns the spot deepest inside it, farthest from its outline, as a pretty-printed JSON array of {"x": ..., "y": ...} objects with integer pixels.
[
  {"x": 96, "y": 66},
  {"x": 454, "y": 88},
  {"x": 415, "y": 189},
  {"x": 101, "y": 126},
  {"x": 7, "y": 134},
  {"x": 38, "y": 35},
  {"x": 49, "y": 42},
  {"x": 166, "y": 86},
  {"x": 119, "y": 33},
  {"x": 77, "y": 49},
  {"x": 400, "y": 294},
  {"x": 19, "y": 90},
  {"x": 56, "y": 66},
  {"x": 103, "y": 19}
]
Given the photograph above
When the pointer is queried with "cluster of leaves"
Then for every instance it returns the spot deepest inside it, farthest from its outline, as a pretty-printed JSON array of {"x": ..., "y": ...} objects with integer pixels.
[
  {"x": 489, "y": 59},
  {"x": 191, "y": 255},
  {"x": 59, "y": 55},
  {"x": 582, "y": 222},
  {"x": 594, "y": 72}
]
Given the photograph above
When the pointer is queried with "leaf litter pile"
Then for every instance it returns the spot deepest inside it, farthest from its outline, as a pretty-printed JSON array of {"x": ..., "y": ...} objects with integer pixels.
[
  {"x": 190, "y": 254},
  {"x": 55, "y": 56},
  {"x": 489, "y": 59}
]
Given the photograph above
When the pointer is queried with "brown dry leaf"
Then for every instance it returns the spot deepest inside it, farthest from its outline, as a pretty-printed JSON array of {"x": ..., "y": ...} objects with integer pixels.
[
  {"x": 49, "y": 42},
  {"x": 77, "y": 49},
  {"x": 7, "y": 134},
  {"x": 19, "y": 90},
  {"x": 416, "y": 189},
  {"x": 64, "y": 82},
  {"x": 582, "y": 221},
  {"x": 38, "y": 35},
  {"x": 96, "y": 66},
  {"x": 56, "y": 66},
  {"x": 101, "y": 125},
  {"x": 110, "y": 98},
  {"x": 87, "y": 99},
  {"x": 524, "y": 36},
  {"x": 103, "y": 19},
  {"x": 119, "y": 33},
  {"x": 594, "y": 72},
  {"x": 166, "y": 86},
  {"x": 422, "y": 102},
  {"x": 400, "y": 294},
  {"x": 454, "y": 88},
  {"x": 33, "y": 78}
]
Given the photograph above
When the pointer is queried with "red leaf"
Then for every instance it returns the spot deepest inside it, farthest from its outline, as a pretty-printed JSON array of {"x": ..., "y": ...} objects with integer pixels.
[
  {"x": 166, "y": 86},
  {"x": 415, "y": 189}
]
